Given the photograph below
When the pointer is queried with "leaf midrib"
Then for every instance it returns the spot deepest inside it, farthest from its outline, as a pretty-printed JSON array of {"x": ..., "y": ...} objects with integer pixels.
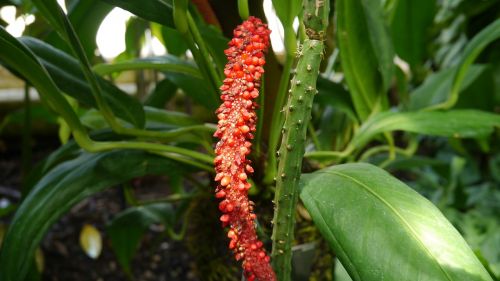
[{"x": 398, "y": 215}]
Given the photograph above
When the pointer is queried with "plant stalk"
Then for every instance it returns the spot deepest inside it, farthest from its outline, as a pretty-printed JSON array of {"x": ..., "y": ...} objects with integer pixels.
[{"x": 297, "y": 115}]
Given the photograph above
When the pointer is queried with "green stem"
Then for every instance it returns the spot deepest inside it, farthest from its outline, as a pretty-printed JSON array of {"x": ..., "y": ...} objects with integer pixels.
[
  {"x": 108, "y": 68},
  {"x": 173, "y": 198},
  {"x": 297, "y": 114},
  {"x": 243, "y": 9},
  {"x": 165, "y": 136},
  {"x": 277, "y": 120},
  {"x": 328, "y": 155},
  {"x": 291, "y": 152},
  {"x": 185, "y": 24},
  {"x": 212, "y": 67},
  {"x": 103, "y": 146}
]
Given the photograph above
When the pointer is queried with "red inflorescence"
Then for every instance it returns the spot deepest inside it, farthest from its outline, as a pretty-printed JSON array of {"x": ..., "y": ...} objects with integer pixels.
[{"x": 236, "y": 124}]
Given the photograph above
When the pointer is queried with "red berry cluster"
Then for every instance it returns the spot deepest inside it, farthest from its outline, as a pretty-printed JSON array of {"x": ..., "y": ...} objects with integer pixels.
[{"x": 236, "y": 124}]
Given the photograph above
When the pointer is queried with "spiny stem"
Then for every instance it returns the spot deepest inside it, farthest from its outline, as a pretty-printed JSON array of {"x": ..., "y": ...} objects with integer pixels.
[{"x": 297, "y": 115}]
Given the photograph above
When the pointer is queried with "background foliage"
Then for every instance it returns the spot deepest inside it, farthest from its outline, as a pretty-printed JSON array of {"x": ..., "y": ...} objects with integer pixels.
[{"x": 409, "y": 87}]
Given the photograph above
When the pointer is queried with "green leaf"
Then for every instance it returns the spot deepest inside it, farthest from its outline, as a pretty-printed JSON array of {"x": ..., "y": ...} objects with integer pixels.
[
  {"x": 333, "y": 94},
  {"x": 171, "y": 38},
  {"x": 68, "y": 76},
  {"x": 64, "y": 186},
  {"x": 85, "y": 26},
  {"x": 381, "y": 229},
  {"x": 24, "y": 63},
  {"x": 128, "y": 227},
  {"x": 194, "y": 87},
  {"x": 437, "y": 86},
  {"x": 470, "y": 53},
  {"x": 161, "y": 94},
  {"x": 55, "y": 15},
  {"x": 153, "y": 10},
  {"x": 410, "y": 29},
  {"x": 366, "y": 52},
  {"x": 455, "y": 123},
  {"x": 135, "y": 35}
]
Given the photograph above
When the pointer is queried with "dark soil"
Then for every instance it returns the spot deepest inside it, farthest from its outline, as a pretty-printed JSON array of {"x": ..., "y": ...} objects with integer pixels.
[{"x": 156, "y": 259}]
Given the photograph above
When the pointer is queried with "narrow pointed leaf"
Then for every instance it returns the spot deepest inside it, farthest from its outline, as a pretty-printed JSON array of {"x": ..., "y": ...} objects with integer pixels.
[
  {"x": 153, "y": 10},
  {"x": 381, "y": 229},
  {"x": 69, "y": 77}
]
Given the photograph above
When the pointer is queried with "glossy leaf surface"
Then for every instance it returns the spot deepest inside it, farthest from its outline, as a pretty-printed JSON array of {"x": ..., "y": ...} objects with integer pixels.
[
  {"x": 381, "y": 229},
  {"x": 61, "y": 188}
]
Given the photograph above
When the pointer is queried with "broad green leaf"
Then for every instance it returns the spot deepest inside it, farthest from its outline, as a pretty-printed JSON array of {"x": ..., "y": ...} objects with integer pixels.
[
  {"x": 437, "y": 86},
  {"x": 128, "y": 227},
  {"x": 64, "y": 186},
  {"x": 381, "y": 229},
  {"x": 167, "y": 63},
  {"x": 410, "y": 29},
  {"x": 91, "y": 241},
  {"x": 471, "y": 52},
  {"x": 454, "y": 123},
  {"x": 159, "y": 11},
  {"x": 366, "y": 52},
  {"x": 69, "y": 77}
]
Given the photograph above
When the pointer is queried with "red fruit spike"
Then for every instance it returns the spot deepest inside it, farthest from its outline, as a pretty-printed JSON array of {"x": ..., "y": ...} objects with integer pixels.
[{"x": 237, "y": 121}]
